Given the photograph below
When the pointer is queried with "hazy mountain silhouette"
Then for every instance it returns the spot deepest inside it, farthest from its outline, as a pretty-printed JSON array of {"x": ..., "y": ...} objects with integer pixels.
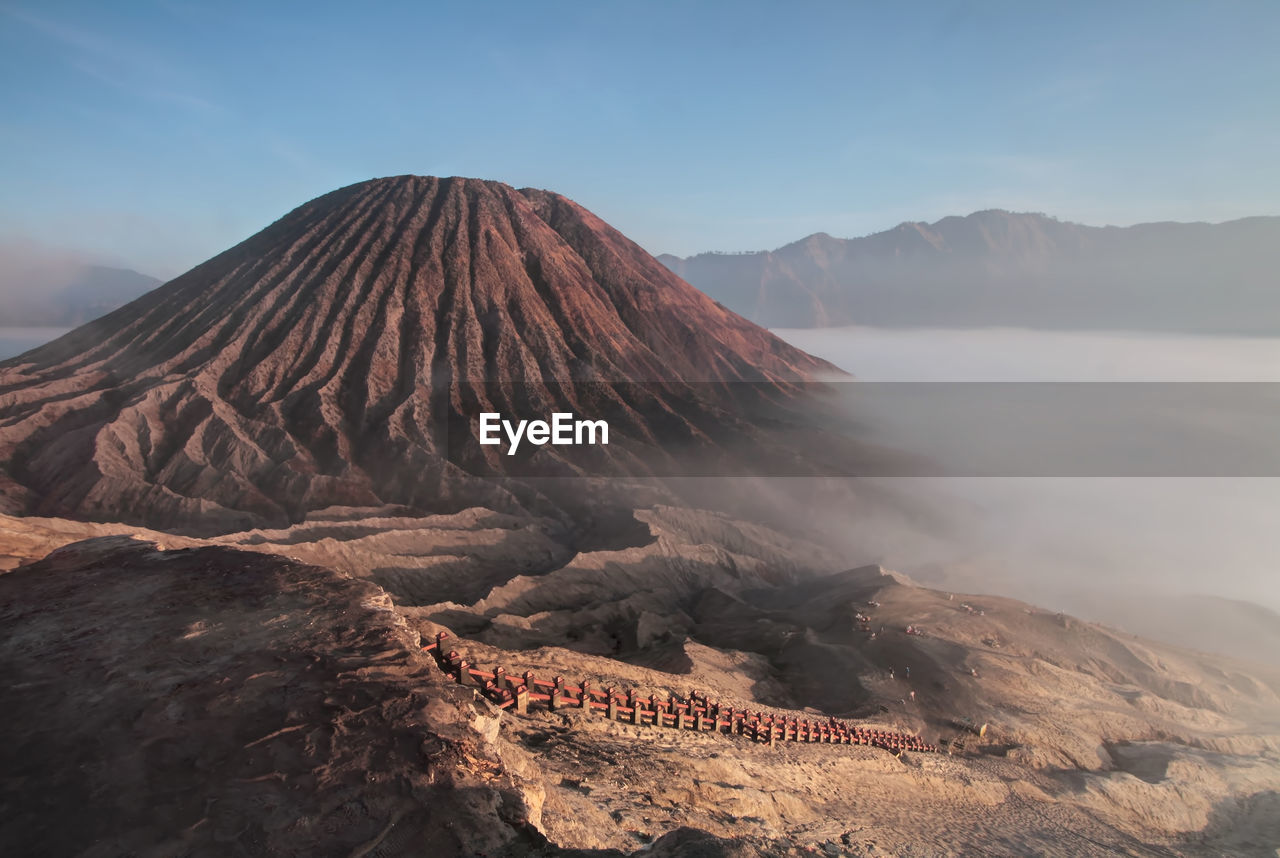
[
  {"x": 1000, "y": 268},
  {"x": 68, "y": 294}
]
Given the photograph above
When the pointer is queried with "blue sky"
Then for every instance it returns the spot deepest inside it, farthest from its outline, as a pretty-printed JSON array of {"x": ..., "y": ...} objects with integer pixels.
[{"x": 159, "y": 133}]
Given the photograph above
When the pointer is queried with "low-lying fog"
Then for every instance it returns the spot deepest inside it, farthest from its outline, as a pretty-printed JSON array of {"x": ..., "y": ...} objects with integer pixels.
[
  {"x": 1016, "y": 354},
  {"x": 1133, "y": 552},
  {"x": 1129, "y": 551},
  {"x": 16, "y": 340}
]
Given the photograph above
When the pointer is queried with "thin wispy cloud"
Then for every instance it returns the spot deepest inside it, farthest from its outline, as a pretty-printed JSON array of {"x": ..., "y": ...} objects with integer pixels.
[
  {"x": 1012, "y": 164},
  {"x": 180, "y": 99},
  {"x": 126, "y": 67},
  {"x": 1075, "y": 90}
]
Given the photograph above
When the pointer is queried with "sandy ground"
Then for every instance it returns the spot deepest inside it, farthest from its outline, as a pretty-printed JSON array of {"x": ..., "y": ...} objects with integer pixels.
[
  {"x": 205, "y": 700},
  {"x": 208, "y": 702}
]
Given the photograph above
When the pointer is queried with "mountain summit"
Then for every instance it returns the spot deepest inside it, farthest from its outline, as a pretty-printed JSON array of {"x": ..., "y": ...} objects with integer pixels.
[{"x": 326, "y": 360}]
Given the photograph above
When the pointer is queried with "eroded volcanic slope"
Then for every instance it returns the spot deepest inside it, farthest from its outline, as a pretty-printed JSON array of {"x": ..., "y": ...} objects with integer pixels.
[
  {"x": 182, "y": 697},
  {"x": 231, "y": 704},
  {"x": 326, "y": 360}
]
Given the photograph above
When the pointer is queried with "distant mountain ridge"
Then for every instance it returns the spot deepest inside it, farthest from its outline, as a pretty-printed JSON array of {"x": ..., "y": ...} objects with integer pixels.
[
  {"x": 999, "y": 268},
  {"x": 81, "y": 295}
]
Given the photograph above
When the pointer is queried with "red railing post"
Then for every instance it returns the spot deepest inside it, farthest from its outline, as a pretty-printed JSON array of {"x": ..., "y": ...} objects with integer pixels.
[
  {"x": 464, "y": 673},
  {"x": 697, "y": 713},
  {"x": 530, "y": 686}
]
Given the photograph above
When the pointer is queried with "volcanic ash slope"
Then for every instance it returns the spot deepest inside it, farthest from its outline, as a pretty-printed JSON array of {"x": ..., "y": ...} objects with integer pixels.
[{"x": 339, "y": 358}]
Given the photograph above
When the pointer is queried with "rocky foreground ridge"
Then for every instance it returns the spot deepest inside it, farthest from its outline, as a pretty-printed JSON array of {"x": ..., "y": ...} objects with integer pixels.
[{"x": 182, "y": 694}]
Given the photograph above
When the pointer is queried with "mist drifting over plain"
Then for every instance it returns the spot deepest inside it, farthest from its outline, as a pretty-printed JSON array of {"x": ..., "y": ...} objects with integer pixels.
[{"x": 1155, "y": 555}]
